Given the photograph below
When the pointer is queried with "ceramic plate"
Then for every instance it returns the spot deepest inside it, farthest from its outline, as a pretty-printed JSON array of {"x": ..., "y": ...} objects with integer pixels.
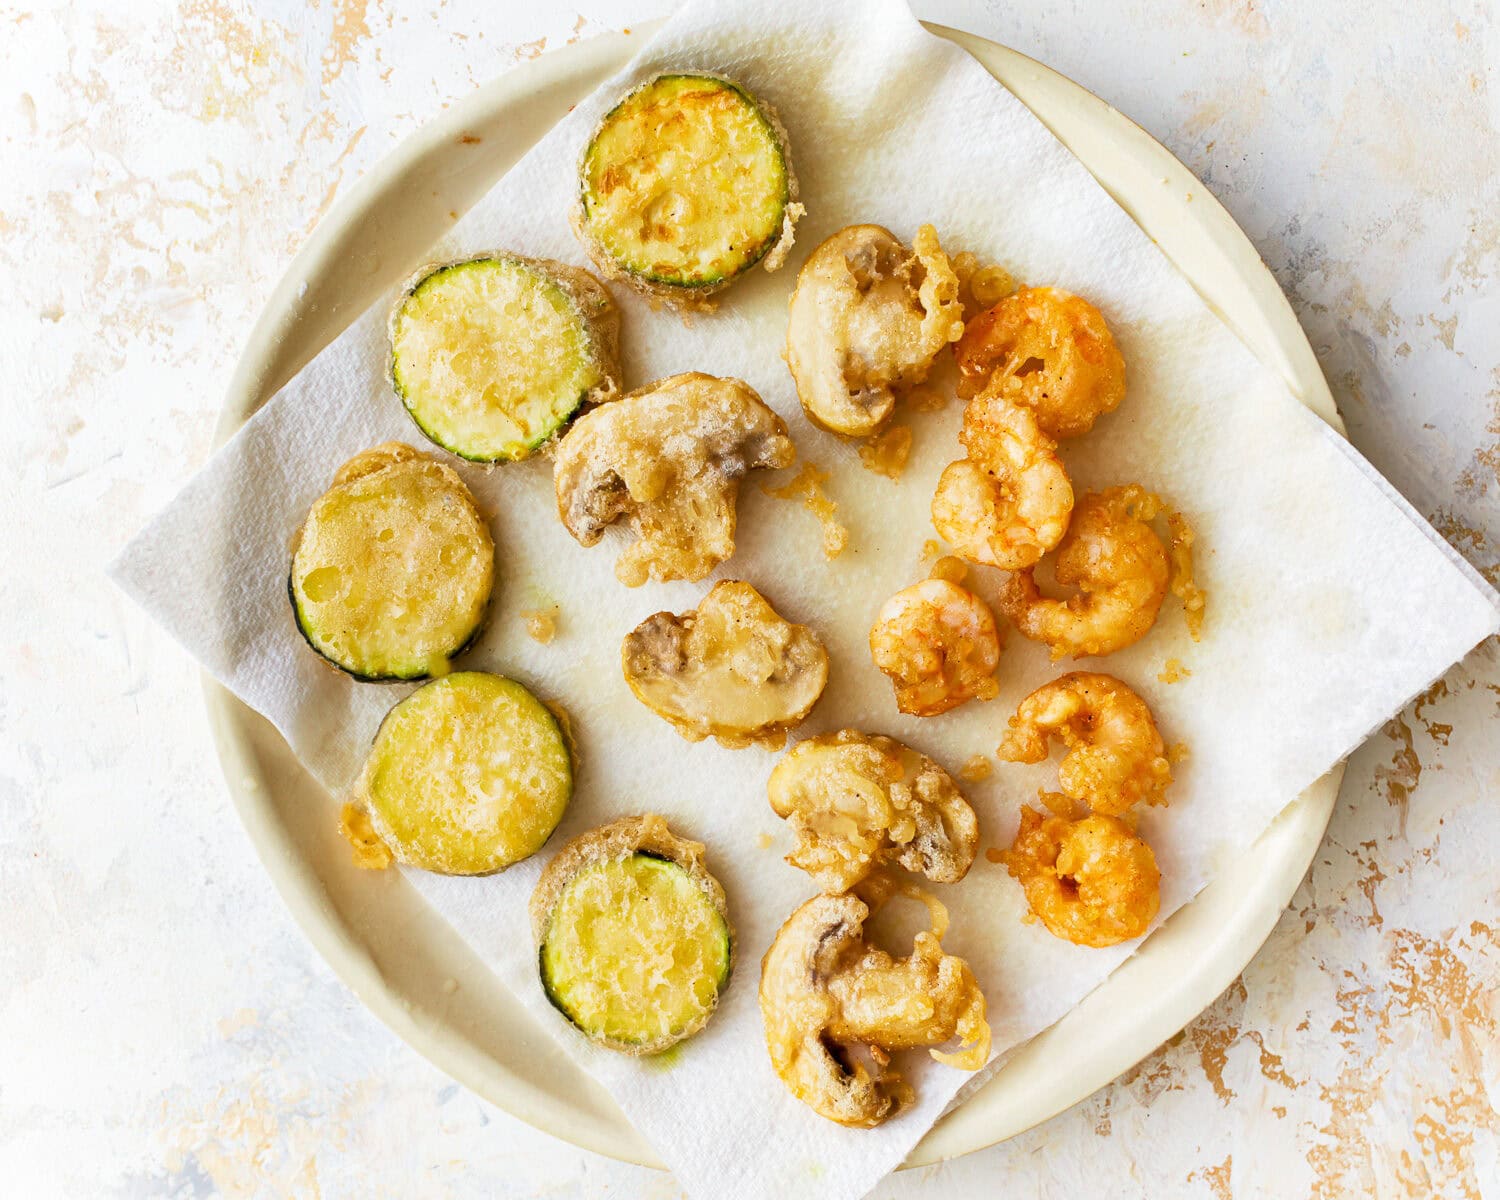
[{"x": 402, "y": 959}]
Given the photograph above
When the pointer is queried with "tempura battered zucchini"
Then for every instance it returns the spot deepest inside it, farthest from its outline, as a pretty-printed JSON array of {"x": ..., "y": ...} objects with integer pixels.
[
  {"x": 633, "y": 936},
  {"x": 468, "y": 774},
  {"x": 393, "y": 567},
  {"x": 687, "y": 184},
  {"x": 493, "y": 354}
]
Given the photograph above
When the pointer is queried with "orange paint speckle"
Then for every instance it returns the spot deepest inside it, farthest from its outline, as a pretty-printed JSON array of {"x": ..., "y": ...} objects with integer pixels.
[
  {"x": 349, "y": 28},
  {"x": 1217, "y": 1178}
]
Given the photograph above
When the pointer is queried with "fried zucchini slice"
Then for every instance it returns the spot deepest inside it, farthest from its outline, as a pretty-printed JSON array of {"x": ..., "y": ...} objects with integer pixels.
[
  {"x": 492, "y": 355},
  {"x": 633, "y": 937},
  {"x": 687, "y": 184},
  {"x": 468, "y": 774},
  {"x": 393, "y": 567}
]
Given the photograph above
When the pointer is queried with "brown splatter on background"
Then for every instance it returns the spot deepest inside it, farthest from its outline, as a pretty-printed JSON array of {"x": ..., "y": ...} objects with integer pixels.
[{"x": 168, "y": 1032}]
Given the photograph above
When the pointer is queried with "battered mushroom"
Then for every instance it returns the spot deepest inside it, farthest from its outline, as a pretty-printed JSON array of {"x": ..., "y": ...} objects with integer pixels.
[
  {"x": 669, "y": 457},
  {"x": 856, "y": 801},
  {"x": 732, "y": 668},
  {"x": 867, "y": 319},
  {"x": 834, "y": 1007}
]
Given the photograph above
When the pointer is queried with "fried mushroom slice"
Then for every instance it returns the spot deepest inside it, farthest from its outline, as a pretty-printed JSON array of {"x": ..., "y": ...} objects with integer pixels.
[
  {"x": 733, "y": 668},
  {"x": 856, "y": 801},
  {"x": 669, "y": 458},
  {"x": 834, "y": 1008},
  {"x": 867, "y": 319}
]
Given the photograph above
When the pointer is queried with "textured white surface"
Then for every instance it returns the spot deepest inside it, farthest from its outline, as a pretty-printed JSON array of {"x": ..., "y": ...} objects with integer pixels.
[
  {"x": 1371, "y": 606},
  {"x": 163, "y": 1028}
]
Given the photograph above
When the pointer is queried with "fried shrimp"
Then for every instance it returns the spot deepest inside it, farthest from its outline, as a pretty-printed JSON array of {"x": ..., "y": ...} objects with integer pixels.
[
  {"x": 1117, "y": 562},
  {"x": 1116, "y": 758},
  {"x": 938, "y": 643},
  {"x": 1092, "y": 881},
  {"x": 1009, "y": 501},
  {"x": 1048, "y": 350}
]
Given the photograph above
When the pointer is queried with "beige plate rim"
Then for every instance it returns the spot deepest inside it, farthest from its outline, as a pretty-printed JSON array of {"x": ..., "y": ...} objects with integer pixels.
[{"x": 405, "y": 963}]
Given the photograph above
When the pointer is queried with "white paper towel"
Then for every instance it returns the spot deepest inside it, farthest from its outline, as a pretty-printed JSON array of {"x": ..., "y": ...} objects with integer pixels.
[{"x": 1330, "y": 601}]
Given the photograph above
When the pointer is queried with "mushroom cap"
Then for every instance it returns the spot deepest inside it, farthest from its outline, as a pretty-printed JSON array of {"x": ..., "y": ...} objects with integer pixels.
[
  {"x": 669, "y": 458},
  {"x": 867, "y": 319},
  {"x": 834, "y": 1006},
  {"x": 856, "y": 801},
  {"x": 796, "y": 1008},
  {"x": 732, "y": 668}
]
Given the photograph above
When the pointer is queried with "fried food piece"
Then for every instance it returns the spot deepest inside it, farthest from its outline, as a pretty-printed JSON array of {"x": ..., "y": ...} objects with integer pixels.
[
  {"x": 1172, "y": 671},
  {"x": 886, "y": 453},
  {"x": 493, "y": 354},
  {"x": 687, "y": 184},
  {"x": 1093, "y": 881},
  {"x": 467, "y": 775},
  {"x": 1116, "y": 758},
  {"x": 369, "y": 852},
  {"x": 669, "y": 458},
  {"x": 807, "y": 486},
  {"x": 541, "y": 623},
  {"x": 950, "y": 568},
  {"x": 633, "y": 936},
  {"x": 1119, "y": 566},
  {"x": 732, "y": 669},
  {"x": 938, "y": 643},
  {"x": 393, "y": 567},
  {"x": 1194, "y": 598},
  {"x": 834, "y": 1008},
  {"x": 856, "y": 801},
  {"x": 980, "y": 286},
  {"x": 866, "y": 321},
  {"x": 1009, "y": 501},
  {"x": 1049, "y": 351}
]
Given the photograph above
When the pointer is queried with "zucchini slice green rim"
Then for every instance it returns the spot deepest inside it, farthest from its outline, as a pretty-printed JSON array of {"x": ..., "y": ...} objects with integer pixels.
[
  {"x": 394, "y": 568},
  {"x": 416, "y": 674},
  {"x": 690, "y": 201},
  {"x": 468, "y": 775},
  {"x": 634, "y": 945},
  {"x": 492, "y": 355}
]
